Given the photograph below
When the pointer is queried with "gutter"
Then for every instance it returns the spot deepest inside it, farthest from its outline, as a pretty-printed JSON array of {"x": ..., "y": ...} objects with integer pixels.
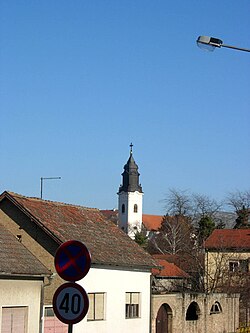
[
  {"x": 43, "y": 286},
  {"x": 13, "y": 276}
]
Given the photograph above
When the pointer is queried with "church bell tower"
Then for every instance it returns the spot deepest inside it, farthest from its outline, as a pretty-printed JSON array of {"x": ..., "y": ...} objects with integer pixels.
[{"x": 130, "y": 198}]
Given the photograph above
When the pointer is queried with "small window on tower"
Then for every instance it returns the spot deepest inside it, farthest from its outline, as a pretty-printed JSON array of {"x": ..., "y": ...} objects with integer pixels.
[
  {"x": 135, "y": 208},
  {"x": 123, "y": 208}
]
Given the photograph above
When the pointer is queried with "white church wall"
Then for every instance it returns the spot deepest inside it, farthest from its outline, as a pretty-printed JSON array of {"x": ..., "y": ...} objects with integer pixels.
[{"x": 130, "y": 221}]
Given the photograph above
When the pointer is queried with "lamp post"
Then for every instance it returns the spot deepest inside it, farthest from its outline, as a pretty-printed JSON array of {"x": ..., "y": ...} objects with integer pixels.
[{"x": 210, "y": 43}]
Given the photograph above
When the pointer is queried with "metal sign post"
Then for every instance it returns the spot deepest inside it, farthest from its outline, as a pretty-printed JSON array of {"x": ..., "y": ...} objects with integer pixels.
[
  {"x": 70, "y": 301},
  {"x": 70, "y": 330}
]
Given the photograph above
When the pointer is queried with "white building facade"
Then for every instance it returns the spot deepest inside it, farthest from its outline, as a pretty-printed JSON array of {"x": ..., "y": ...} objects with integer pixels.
[
  {"x": 119, "y": 301},
  {"x": 20, "y": 306}
]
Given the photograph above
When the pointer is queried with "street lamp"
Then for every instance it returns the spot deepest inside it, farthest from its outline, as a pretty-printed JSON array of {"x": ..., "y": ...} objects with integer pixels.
[{"x": 210, "y": 43}]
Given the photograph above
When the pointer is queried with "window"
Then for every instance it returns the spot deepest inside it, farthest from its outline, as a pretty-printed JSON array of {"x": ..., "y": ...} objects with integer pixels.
[
  {"x": 216, "y": 308},
  {"x": 135, "y": 208},
  {"x": 123, "y": 208},
  {"x": 96, "y": 306},
  {"x": 14, "y": 319},
  {"x": 239, "y": 266},
  {"x": 233, "y": 266},
  {"x": 244, "y": 265},
  {"x": 52, "y": 324},
  {"x": 132, "y": 305}
]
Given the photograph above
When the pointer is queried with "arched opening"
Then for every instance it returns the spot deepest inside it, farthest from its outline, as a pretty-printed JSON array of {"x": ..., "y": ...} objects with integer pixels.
[
  {"x": 216, "y": 308},
  {"x": 193, "y": 311},
  {"x": 123, "y": 208},
  {"x": 135, "y": 208},
  {"x": 164, "y": 319}
]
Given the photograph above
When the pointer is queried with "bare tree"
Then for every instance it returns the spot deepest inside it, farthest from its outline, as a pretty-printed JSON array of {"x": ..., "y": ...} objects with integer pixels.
[
  {"x": 190, "y": 219},
  {"x": 178, "y": 202},
  {"x": 195, "y": 206},
  {"x": 203, "y": 206},
  {"x": 174, "y": 236},
  {"x": 240, "y": 201}
]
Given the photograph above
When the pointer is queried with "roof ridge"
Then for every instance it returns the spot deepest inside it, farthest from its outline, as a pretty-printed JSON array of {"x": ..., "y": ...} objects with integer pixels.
[{"x": 49, "y": 201}]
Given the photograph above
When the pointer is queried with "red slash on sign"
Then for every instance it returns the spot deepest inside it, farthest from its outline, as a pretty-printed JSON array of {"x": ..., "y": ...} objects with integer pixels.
[{"x": 72, "y": 260}]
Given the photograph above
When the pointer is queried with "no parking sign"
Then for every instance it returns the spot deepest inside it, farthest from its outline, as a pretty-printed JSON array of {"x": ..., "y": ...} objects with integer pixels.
[
  {"x": 70, "y": 301},
  {"x": 72, "y": 260}
]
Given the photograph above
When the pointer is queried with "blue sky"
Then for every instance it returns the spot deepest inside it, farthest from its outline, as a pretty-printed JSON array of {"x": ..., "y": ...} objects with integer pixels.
[{"x": 80, "y": 80}]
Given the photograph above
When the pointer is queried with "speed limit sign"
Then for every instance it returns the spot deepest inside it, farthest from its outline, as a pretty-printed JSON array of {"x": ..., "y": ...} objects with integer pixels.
[{"x": 70, "y": 303}]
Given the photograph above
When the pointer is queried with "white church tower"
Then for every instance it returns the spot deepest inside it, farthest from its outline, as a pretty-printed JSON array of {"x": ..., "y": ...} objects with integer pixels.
[{"x": 130, "y": 198}]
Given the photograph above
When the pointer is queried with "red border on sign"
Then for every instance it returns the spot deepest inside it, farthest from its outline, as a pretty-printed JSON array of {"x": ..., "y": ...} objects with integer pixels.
[
  {"x": 85, "y": 298},
  {"x": 64, "y": 248}
]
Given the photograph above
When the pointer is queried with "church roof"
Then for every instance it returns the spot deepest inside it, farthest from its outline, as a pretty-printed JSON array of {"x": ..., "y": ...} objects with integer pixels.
[
  {"x": 130, "y": 176},
  {"x": 152, "y": 222},
  {"x": 15, "y": 258},
  {"x": 62, "y": 222}
]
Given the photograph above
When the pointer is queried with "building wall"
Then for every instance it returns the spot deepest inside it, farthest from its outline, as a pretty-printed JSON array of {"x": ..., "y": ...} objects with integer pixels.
[
  {"x": 225, "y": 321},
  {"x": 217, "y": 267},
  {"x": 16, "y": 293},
  {"x": 17, "y": 223},
  {"x": 115, "y": 283},
  {"x": 129, "y": 219}
]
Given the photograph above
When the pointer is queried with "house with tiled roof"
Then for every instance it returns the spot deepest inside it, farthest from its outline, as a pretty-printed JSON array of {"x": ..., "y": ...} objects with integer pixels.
[
  {"x": 168, "y": 277},
  {"x": 118, "y": 283},
  {"x": 227, "y": 262},
  {"x": 22, "y": 282}
]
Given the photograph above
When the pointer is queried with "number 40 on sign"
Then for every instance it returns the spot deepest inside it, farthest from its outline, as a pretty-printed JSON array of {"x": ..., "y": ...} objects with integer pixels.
[{"x": 70, "y": 303}]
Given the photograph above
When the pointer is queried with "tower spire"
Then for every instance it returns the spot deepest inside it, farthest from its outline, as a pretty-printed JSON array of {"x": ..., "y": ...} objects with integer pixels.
[
  {"x": 130, "y": 198},
  {"x": 130, "y": 175}
]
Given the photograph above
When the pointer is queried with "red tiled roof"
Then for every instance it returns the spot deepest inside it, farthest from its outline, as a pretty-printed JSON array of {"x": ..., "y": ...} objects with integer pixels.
[
  {"x": 15, "y": 259},
  {"x": 107, "y": 243},
  {"x": 152, "y": 222},
  {"x": 184, "y": 261},
  {"x": 168, "y": 270},
  {"x": 111, "y": 214},
  {"x": 229, "y": 239}
]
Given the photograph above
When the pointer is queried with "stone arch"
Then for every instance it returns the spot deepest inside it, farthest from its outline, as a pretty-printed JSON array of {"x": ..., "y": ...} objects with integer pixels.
[
  {"x": 164, "y": 319},
  {"x": 215, "y": 308},
  {"x": 193, "y": 311}
]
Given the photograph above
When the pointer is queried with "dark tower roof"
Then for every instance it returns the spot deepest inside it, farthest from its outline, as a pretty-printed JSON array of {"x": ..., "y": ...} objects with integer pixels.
[{"x": 130, "y": 176}]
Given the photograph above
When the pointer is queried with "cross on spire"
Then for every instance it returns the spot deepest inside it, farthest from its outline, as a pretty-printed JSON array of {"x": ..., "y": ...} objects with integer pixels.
[{"x": 131, "y": 148}]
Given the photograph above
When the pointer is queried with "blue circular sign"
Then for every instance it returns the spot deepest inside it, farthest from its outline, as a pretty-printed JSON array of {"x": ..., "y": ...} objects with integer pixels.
[{"x": 72, "y": 260}]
